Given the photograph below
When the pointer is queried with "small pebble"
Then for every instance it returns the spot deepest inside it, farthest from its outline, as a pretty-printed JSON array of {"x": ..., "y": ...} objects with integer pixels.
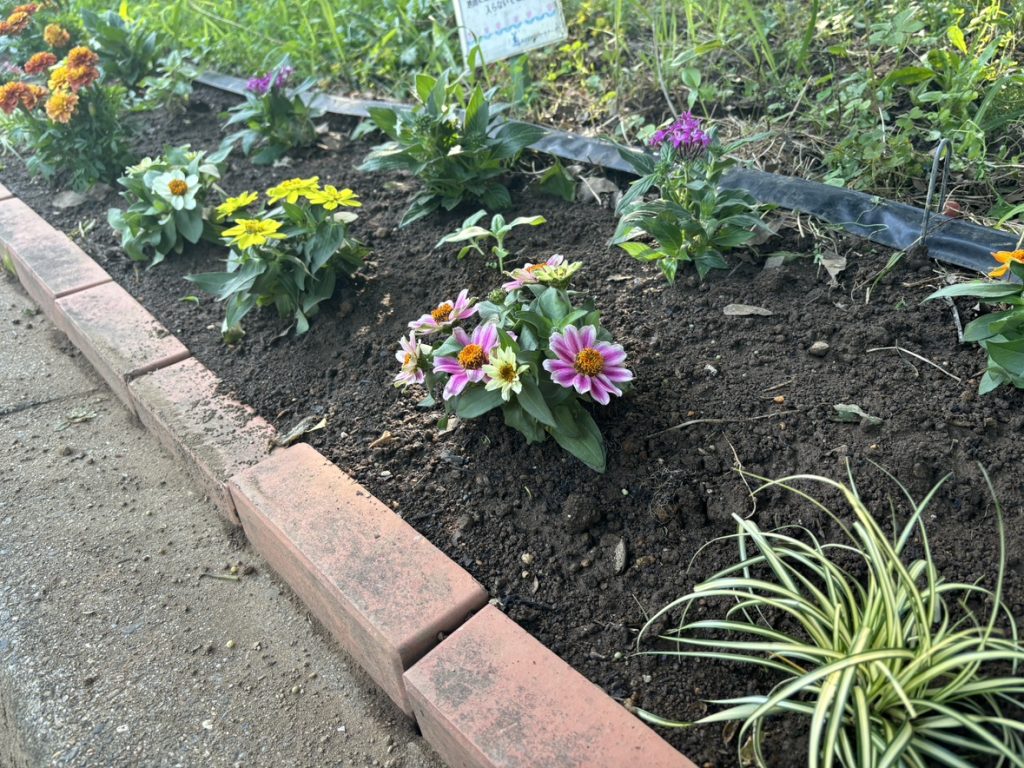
[{"x": 818, "y": 349}]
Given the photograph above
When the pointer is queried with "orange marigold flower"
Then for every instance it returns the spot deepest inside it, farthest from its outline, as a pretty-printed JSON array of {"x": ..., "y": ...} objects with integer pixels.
[
  {"x": 61, "y": 106},
  {"x": 80, "y": 77},
  {"x": 81, "y": 57},
  {"x": 56, "y": 36},
  {"x": 28, "y": 8},
  {"x": 17, "y": 22},
  {"x": 59, "y": 79},
  {"x": 10, "y": 96},
  {"x": 39, "y": 62},
  {"x": 1006, "y": 258},
  {"x": 32, "y": 95}
]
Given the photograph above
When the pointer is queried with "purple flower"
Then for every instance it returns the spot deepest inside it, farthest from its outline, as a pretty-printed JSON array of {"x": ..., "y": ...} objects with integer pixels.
[
  {"x": 445, "y": 315},
  {"x": 259, "y": 85},
  {"x": 283, "y": 76},
  {"x": 411, "y": 356},
  {"x": 685, "y": 135},
  {"x": 466, "y": 367},
  {"x": 587, "y": 365}
]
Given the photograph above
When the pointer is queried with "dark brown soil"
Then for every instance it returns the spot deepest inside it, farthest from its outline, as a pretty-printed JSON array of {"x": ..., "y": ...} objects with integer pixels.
[{"x": 539, "y": 529}]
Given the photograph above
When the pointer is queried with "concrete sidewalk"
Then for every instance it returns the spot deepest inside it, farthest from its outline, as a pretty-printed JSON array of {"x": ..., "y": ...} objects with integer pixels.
[{"x": 121, "y": 642}]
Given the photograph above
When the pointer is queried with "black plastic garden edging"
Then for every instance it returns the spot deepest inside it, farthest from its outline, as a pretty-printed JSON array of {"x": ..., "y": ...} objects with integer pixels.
[{"x": 897, "y": 225}]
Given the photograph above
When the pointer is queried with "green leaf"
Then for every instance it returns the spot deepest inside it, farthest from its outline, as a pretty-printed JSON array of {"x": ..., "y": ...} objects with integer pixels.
[
  {"x": 584, "y": 440},
  {"x": 190, "y": 224},
  {"x": 991, "y": 324},
  {"x": 956, "y": 37},
  {"x": 519, "y": 420},
  {"x": 979, "y": 289},
  {"x": 641, "y": 251},
  {"x": 476, "y": 401},
  {"x": 553, "y": 304},
  {"x": 1008, "y": 355},
  {"x": 909, "y": 76},
  {"x": 533, "y": 402},
  {"x": 517, "y": 136}
]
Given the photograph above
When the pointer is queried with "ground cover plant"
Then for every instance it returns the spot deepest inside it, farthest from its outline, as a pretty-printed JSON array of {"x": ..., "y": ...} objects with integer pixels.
[
  {"x": 534, "y": 355},
  {"x": 168, "y": 197},
  {"x": 60, "y": 110},
  {"x": 889, "y": 668},
  {"x": 999, "y": 333},
  {"x": 287, "y": 251},
  {"x": 476, "y": 236},
  {"x": 276, "y": 116},
  {"x": 691, "y": 219},
  {"x": 454, "y": 142},
  {"x": 711, "y": 388}
]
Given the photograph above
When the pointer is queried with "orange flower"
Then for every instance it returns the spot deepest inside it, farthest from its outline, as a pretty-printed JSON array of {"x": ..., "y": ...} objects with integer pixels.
[
  {"x": 39, "y": 62},
  {"x": 56, "y": 36},
  {"x": 10, "y": 96},
  {"x": 81, "y": 57},
  {"x": 16, "y": 23},
  {"x": 80, "y": 77},
  {"x": 61, "y": 106},
  {"x": 31, "y": 96},
  {"x": 29, "y": 8},
  {"x": 1005, "y": 258},
  {"x": 59, "y": 79}
]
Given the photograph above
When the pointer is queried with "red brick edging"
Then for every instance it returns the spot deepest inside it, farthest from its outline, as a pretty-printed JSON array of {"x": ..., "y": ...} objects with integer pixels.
[{"x": 486, "y": 696}]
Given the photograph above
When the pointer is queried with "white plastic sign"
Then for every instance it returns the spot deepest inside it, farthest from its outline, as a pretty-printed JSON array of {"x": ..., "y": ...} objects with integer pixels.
[{"x": 504, "y": 28}]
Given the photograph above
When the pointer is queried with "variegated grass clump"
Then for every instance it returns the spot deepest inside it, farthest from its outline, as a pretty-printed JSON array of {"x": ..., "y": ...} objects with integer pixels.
[{"x": 892, "y": 668}]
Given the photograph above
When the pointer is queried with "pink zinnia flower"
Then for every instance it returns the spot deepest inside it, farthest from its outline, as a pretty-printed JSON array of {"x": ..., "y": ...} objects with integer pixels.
[
  {"x": 410, "y": 356},
  {"x": 525, "y": 274},
  {"x": 586, "y": 364},
  {"x": 447, "y": 313},
  {"x": 467, "y": 366}
]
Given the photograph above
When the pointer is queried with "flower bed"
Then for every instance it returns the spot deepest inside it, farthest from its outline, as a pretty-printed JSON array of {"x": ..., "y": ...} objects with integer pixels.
[{"x": 579, "y": 558}]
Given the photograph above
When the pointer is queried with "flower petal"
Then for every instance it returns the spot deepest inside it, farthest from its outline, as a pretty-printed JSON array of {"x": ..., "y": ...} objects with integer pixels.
[{"x": 447, "y": 365}]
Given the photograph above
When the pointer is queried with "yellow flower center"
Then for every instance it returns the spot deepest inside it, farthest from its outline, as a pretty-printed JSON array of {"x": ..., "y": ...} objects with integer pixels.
[
  {"x": 471, "y": 357},
  {"x": 408, "y": 357},
  {"x": 589, "y": 362},
  {"x": 253, "y": 227},
  {"x": 507, "y": 373},
  {"x": 177, "y": 187},
  {"x": 442, "y": 313},
  {"x": 535, "y": 268}
]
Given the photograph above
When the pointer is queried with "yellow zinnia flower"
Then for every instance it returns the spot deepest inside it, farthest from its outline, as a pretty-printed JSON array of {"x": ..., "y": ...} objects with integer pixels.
[
  {"x": 292, "y": 189},
  {"x": 61, "y": 106},
  {"x": 331, "y": 197},
  {"x": 251, "y": 232},
  {"x": 1005, "y": 258},
  {"x": 234, "y": 204}
]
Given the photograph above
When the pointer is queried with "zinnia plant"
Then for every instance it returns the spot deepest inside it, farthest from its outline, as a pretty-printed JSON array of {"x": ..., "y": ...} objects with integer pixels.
[
  {"x": 287, "y": 251},
  {"x": 276, "y": 116},
  {"x": 532, "y": 354},
  {"x": 1000, "y": 332},
  {"x": 890, "y": 664},
  {"x": 167, "y": 200},
  {"x": 691, "y": 220}
]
